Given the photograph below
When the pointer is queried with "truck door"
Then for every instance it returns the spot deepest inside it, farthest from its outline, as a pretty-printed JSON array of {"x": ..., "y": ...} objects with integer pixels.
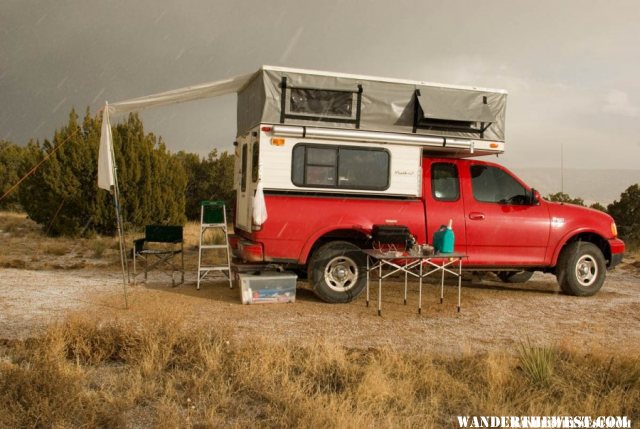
[
  {"x": 248, "y": 181},
  {"x": 442, "y": 193},
  {"x": 503, "y": 227}
]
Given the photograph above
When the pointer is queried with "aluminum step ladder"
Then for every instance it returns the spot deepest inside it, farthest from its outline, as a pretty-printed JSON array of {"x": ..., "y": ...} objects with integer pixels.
[{"x": 213, "y": 217}]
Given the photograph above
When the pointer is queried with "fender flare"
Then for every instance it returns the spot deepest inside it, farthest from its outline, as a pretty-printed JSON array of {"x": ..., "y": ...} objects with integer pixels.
[
  {"x": 311, "y": 241},
  {"x": 567, "y": 237}
]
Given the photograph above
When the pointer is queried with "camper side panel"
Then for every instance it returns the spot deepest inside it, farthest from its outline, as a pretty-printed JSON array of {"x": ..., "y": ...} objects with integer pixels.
[
  {"x": 276, "y": 167},
  {"x": 387, "y": 106},
  {"x": 251, "y": 104}
]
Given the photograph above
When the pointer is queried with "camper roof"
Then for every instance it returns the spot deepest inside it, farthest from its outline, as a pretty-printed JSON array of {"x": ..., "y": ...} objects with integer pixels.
[
  {"x": 378, "y": 79},
  {"x": 288, "y": 96}
]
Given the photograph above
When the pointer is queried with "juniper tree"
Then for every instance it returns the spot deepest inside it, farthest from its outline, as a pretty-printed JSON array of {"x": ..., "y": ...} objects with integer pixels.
[
  {"x": 626, "y": 213},
  {"x": 63, "y": 195}
]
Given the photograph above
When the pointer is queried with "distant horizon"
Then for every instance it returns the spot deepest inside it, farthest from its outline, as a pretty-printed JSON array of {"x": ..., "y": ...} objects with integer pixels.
[{"x": 603, "y": 187}]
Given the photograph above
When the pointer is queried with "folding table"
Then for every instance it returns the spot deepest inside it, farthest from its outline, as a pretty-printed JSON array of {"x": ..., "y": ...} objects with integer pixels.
[{"x": 419, "y": 266}]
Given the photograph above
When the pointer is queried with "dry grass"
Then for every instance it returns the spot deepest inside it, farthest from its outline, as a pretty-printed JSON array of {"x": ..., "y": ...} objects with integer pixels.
[
  {"x": 154, "y": 373},
  {"x": 56, "y": 249},
  {"x": 25, "y": 245}
]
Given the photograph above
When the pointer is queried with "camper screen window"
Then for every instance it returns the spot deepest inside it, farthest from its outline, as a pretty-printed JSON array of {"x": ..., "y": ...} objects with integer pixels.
[
  {"x": 340, "y": 167},
  {"x": 321, "y": 102}
]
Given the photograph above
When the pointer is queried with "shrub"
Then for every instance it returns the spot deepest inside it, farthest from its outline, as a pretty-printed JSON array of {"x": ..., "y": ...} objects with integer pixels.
[
  {"x": 626, "y": 213},
  {"x": 63, "y": 193}
]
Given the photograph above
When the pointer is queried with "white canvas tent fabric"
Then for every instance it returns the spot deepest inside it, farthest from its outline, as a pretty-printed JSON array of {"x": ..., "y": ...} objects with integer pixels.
[{"x": 105, "y": 155}]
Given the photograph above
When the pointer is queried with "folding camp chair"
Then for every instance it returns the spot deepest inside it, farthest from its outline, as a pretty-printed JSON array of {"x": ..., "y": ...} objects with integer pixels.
[{"x": 168, "y": 237}]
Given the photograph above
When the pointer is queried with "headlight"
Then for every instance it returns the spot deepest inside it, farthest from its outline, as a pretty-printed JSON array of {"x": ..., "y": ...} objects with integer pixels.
[{"x": 614, "y": 229}]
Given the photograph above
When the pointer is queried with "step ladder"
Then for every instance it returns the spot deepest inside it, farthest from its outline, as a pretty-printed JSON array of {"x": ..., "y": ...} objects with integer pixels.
[{"x": 213, "y": 216}]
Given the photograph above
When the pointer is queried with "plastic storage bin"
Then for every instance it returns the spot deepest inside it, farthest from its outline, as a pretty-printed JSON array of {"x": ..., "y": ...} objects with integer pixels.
[{"x": 267, "y": 287}]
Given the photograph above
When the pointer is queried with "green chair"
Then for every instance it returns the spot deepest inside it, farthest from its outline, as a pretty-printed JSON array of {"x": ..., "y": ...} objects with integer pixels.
[{"x": 170, "y": 240}]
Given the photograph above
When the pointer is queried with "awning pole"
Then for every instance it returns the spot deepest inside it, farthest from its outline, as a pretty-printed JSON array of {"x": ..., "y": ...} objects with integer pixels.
[{"x": 123, "y": 258}]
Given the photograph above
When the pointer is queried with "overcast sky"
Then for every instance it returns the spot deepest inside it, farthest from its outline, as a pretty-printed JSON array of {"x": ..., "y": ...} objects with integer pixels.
[{"x": 572, "y": 68}]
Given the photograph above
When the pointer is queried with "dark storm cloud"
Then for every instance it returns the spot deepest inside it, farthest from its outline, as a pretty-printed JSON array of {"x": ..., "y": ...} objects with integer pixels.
[{"x": 570, "y": 67}]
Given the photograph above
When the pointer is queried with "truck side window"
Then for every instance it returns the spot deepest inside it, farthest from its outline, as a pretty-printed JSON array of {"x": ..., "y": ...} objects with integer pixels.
[
  {"x": 341, "y": 167},
  {"x": 445, "y": 185},
  {"x": 255, "y": 154},
  {"x": 243, "y": 182},
  {"x": 494, "y": 185}
]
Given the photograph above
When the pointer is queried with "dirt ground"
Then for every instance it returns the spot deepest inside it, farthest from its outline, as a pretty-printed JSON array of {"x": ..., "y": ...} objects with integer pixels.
[
  {"x": 494, "y": 316},
  {"x": 44, "y": 280}
]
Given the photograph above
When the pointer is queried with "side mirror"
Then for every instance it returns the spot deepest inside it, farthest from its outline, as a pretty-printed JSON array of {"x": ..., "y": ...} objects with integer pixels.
[{"x": 534, "y": 198}]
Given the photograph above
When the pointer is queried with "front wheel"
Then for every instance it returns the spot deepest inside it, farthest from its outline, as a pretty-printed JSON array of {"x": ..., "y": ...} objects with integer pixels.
[
  {"x": 581, "y": 269},
  {"x": 338, "y": 272}
]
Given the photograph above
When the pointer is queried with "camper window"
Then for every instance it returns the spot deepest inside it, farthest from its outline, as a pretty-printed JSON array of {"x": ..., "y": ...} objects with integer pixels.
[
  {"x": 255, "y": 161},
  {"x": 445, "y": 185},
  {"x": 445, "y": 109},
  {"x": 321, "y": 102},
  {"x": 243, "y": 183},
  {"x": 340, "y": 167}
]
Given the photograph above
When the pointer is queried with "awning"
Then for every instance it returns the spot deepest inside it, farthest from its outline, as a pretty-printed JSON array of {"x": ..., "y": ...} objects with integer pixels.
[
  {"x": 106, "y": 162},
  {"x": 189, "y": 93},
  {"x": 454, "y": 105}
]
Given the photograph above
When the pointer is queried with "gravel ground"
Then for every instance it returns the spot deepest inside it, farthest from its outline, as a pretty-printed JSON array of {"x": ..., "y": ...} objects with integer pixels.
[{"x": 494, "y": 316}]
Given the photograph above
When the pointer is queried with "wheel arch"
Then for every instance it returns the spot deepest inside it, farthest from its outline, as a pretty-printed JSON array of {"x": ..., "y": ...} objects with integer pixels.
[
  {"x": 351, "y": 235},
  {"x": 586, "y": 236}
]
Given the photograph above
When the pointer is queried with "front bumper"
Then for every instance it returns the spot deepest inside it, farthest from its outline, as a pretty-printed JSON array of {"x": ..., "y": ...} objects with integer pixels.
[
  {"x": 616, "y": 258},
  {"x": 617, "y": 252}
]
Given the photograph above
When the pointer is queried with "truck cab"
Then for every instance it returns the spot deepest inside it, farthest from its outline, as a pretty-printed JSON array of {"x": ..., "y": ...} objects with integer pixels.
[{"x": 503, "y": 225}]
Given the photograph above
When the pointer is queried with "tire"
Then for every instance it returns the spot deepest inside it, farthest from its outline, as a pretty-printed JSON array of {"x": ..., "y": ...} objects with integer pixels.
[
  {"x": 338, "y": 272},
  {"x": 581, "y": 269},
  {"x": 515, "y": 276}
]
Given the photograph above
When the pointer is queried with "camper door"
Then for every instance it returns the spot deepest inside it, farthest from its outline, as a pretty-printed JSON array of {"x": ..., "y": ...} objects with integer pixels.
[{"x": 249, "y": 152}]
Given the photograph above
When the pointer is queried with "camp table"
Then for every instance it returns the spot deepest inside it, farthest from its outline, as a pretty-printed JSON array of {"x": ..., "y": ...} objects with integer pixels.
[{"x": 419, "y": 266}]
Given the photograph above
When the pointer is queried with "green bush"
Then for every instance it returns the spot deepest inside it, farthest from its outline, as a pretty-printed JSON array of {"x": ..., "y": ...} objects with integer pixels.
[
  {"x": 561, "y": 197},
  {"x": 63, "y": 193},
  {"x": 626, "y": 213},
  {"x": 15, "y": 162},
  {"x": 209, "y": 178}
]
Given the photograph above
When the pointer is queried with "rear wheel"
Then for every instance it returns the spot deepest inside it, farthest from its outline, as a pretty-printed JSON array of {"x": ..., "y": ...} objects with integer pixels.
[
  {"x": 581, "y": 269},
  {"x": 338, "y": 272},
  {"x": 515, "y": 276}
]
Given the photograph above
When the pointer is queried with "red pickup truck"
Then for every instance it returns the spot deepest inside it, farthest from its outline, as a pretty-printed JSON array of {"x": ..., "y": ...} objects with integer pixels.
[
  {"x": 323, "y": 157},
  {"x": 502, "y": 225}
]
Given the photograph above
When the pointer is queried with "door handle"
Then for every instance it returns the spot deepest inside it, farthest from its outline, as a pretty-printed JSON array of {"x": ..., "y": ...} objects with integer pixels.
[{"x": 476, "y": 216}]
